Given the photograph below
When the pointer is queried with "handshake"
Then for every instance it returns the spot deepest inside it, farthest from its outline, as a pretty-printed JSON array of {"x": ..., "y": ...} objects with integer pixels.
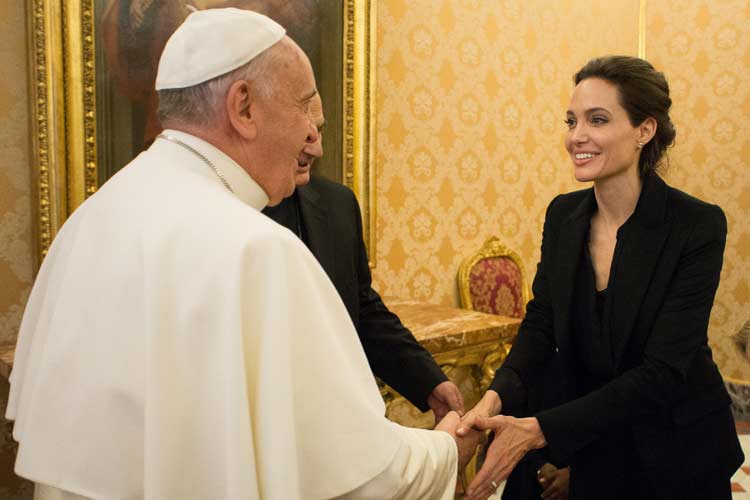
[{"x": 514, "y": 437}]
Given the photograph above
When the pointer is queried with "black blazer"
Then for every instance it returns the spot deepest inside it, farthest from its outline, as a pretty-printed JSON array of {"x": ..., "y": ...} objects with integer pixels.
[
  {"x": 667, "y": 391},
  {"x": 333, "y": 226}
]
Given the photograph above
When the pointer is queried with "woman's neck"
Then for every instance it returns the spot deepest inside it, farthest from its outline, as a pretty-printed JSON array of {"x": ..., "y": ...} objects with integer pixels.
[{"x": 616, "y": 197}]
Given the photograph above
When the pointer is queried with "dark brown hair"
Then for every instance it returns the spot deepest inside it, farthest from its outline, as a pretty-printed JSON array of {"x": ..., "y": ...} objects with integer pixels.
[{"x": 643, "y": 93}]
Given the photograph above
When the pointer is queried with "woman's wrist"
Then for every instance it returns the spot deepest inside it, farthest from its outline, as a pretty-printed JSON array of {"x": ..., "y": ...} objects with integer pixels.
[
  {"x": 491, "y": 403},
  {"x": 532, "y": 424}
]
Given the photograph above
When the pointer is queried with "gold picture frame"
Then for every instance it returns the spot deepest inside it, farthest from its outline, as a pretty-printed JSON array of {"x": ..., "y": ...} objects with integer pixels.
[{"x": 63, "y": 100}]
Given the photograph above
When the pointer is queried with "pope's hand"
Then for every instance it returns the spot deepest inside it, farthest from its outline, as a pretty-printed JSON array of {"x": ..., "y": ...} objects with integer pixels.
[
  {"x": 466, "y": 445},
  {"x": 444, "y": 398},
  {"x": 514, "y": 437}
]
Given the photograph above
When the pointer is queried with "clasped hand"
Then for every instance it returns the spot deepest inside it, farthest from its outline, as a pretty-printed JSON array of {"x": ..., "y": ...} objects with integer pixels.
[
  {"x": 467, "y": 443},
  {"x": 514, "y": 437}
]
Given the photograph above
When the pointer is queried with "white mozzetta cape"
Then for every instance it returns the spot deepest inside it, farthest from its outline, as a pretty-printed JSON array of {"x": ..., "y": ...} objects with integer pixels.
[{"x": 180, "y": 345}]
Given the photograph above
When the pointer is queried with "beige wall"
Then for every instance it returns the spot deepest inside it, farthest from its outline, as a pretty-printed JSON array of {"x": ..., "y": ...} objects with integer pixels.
[
  {"x": 471, "y": 98},
  {"x": 16, "y": 268},
  {"x": 704, "y": 49}
]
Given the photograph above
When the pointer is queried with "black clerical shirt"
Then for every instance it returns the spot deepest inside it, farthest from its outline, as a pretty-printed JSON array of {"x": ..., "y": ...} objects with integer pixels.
[{"x": 288, "y": 214}]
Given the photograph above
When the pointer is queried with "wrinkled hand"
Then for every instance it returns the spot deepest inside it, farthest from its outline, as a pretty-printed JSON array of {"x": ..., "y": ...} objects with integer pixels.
[
  {"x": 514, "y": 437},
  {"x": 444, "y": 398},
  {"x": 489, "y": 406},
  {"x": 554, "y": 482},
  {"x": 467, "y": 445},
  {"x": 449, "y": 424}
]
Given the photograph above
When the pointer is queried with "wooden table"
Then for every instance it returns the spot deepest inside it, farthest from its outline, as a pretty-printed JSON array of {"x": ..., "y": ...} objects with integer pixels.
[
  {"x": 442, "y": 328},
  {"x": 468, "y": 346}
]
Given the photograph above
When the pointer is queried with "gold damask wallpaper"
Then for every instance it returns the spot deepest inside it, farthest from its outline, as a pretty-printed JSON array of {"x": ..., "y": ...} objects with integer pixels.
[
  {"x": 471, "y": 100},
  {"x": 704, "y": 49},
  {"x": 16, "y": 258},
  {"x": 471, "y": 97}
]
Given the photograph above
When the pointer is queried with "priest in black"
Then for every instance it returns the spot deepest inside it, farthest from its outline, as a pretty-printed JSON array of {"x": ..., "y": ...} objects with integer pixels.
[{"x": 326, "y": 216}]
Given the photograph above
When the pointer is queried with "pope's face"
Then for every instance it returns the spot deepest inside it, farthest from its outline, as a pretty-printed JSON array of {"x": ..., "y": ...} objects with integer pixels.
[
  {"x": 288, "y": 137},
  {"x": 304, "y": 165}
]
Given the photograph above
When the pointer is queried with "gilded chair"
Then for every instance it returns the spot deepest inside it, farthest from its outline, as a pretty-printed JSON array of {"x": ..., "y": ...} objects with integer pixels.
[
  {"x": 739, "y": 389},
  {"x": 494, "y": 281}
]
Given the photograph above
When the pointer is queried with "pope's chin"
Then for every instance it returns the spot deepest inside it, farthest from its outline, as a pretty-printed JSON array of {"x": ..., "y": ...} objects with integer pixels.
[
  {"x": 302, "y": 174},
  {"x": 276, "y": 197}
]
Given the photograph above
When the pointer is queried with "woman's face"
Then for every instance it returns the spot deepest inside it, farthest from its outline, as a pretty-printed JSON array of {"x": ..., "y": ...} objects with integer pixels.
[{"x": 601, "y": 141}]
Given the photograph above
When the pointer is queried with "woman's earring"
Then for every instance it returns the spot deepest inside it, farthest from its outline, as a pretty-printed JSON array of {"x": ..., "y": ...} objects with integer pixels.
[{"x": 640, "y": 144}]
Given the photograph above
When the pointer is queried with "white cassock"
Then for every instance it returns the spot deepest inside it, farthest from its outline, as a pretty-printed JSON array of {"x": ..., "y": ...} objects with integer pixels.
[{"x": 180, "y": 345}]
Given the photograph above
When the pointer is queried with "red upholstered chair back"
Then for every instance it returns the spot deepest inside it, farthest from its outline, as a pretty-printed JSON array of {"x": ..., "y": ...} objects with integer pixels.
[{"x": 493, "y": 281}]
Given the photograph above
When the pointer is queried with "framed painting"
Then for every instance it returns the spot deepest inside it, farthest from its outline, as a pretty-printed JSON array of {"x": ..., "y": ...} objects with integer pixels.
[{"x": 94, "y": 108}]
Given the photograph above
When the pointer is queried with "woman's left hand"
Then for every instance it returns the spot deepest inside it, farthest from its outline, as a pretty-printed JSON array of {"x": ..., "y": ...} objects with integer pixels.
[{"x": 514, "y": 437}]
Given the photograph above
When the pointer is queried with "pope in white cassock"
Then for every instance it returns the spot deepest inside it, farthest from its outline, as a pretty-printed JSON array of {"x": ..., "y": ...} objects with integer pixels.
[{"x": 178, "y": 344}]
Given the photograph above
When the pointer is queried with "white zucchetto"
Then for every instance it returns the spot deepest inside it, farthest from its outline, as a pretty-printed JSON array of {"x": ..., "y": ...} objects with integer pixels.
[{"x": 213, "y": 42}]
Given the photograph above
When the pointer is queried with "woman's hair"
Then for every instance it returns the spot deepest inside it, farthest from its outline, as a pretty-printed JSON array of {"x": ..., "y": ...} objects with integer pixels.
[{"x": 644, "y": 93}]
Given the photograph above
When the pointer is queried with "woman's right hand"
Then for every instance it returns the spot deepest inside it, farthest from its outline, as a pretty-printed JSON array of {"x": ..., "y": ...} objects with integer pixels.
[
  {"x": 489, "y": 406},
  {"x": 514, "y": 437}
]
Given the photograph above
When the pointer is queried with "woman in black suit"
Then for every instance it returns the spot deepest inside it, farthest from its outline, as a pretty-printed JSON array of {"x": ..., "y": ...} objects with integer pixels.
[{"x": 623, "y": 293}]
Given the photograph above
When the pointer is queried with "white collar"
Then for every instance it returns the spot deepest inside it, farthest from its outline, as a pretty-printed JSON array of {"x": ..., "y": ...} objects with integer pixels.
[{"x": 243, "y": 186}]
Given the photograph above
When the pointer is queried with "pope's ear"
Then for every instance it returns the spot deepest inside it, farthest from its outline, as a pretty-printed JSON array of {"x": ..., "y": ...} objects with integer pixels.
[{"x": 240, "y": 105}]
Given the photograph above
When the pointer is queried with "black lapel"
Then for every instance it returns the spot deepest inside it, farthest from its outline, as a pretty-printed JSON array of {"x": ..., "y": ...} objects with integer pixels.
[
  {"x": 570, "y": 243},
  {"x": 644, "y": 239},
  {"x": 315, "y": 220}
]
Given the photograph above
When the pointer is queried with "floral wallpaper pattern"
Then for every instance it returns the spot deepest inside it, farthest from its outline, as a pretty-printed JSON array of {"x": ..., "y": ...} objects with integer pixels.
[
  {"x": 471, "y": 97},
  {"x": 703, "y": 48},
  {"x": 16, "y": 257},
  {"x": 16, "y": 254}
]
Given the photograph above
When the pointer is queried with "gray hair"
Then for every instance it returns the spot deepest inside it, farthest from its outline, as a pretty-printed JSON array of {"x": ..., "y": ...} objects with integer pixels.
[{"x": 200, "y": 104}]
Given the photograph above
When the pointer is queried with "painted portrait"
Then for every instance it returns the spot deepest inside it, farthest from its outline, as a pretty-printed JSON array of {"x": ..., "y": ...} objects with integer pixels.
[
  {"x": 132, "y": 35},
  {"x": 94, "y": 65}
]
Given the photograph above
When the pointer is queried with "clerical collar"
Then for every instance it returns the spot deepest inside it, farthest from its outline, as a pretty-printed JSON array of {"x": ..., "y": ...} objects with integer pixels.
[{"x": 243, "y": 186}]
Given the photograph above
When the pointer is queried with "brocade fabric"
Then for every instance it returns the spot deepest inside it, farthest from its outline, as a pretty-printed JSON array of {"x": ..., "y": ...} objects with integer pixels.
[{"x": 495, "y": 287}]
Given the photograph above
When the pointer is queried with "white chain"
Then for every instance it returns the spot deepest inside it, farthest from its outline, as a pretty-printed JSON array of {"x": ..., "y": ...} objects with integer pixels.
[{"x": 199, "y": 155}]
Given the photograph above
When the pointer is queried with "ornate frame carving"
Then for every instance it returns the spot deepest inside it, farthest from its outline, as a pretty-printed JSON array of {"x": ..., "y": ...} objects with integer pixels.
[
  {"x": 493, "y": 247},
  {"x": 48, "y": 128},
  {"x": 360, "y": 28},
  {"x": 63, "y": 104}
]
